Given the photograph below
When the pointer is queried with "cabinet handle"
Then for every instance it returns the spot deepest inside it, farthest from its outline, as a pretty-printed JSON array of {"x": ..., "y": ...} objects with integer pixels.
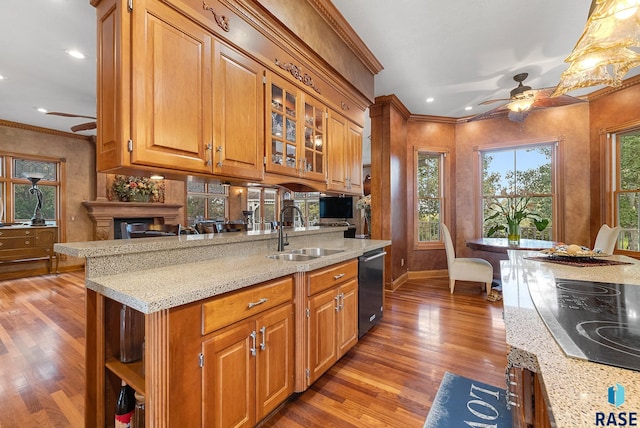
[
  {"x": 263, "y": 331},
  {"x": 27, "y": 232},
  {"x": 27, "y": 242},
  {"x": 253, "y": 347},
  {"x": 209, "y": 148},
  {"x": 219, "y": 150},
  {"x": 259, "y": 302},
  {"x": 337, "y": 277},
  {"x": 337, "y": 299}
]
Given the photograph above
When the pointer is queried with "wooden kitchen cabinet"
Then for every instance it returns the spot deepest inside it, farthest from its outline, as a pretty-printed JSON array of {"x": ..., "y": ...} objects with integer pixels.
[
  {"x": 344, "y": 155},
  {"x": 296, "y": 132},
  {"x": 238, "y": 119},
  {"x": 332, "y": 327},
  {"x": 248, "y": 367},
  {"x": 154, "y": 88},
  {"x": 172, "y": 97}
]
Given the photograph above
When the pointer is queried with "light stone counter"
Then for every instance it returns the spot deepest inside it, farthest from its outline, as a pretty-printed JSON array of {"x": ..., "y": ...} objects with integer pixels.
[
  {"x": 575, "y": 389},
  {"x": 153, "y": 274}
]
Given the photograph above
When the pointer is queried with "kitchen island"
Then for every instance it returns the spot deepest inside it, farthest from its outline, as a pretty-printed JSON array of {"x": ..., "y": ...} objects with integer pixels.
[
  {"x": 574, "y": 390},
  {"x": 196, "y": 292}
]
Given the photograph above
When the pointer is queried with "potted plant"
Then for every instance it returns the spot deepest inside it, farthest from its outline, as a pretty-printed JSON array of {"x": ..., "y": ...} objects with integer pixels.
[{"x": 510, "y": 213}]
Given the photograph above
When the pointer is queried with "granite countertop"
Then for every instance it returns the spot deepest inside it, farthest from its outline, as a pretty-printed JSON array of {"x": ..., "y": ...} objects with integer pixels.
[
  {"x": 575, "y": 389},
  {"x": 240, "y": 261}
]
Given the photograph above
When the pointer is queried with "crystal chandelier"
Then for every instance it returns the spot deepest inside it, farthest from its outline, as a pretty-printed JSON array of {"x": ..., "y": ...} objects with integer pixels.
[{"x": 607, "y": 49}]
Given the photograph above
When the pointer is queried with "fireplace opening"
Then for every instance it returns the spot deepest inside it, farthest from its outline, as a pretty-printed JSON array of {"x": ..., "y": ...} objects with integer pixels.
[{"x": 117, "y": 224}]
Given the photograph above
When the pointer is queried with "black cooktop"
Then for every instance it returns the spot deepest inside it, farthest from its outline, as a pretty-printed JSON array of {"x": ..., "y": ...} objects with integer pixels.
[{"x": 597, "y": 321}]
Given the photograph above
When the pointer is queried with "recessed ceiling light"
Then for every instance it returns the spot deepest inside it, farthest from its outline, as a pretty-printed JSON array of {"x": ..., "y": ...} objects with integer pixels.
[
  {"x": 2, "y": 77},
  {"x": 430, "y": 99},
  {"x": 76, "y": 54},
  {"x": 468, "y": 108},
  {"x": 42, "y": 110}
]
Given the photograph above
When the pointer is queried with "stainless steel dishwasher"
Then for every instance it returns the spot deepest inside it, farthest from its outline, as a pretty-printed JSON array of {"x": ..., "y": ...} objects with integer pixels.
[{"x": 370, "y": 289}]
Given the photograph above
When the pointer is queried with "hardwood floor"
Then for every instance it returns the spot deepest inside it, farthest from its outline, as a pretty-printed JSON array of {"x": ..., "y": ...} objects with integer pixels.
[{"x": 388, "y": 380}]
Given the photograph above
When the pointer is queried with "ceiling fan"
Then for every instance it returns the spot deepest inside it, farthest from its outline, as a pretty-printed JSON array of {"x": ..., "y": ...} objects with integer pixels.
[
  {"x": 523, "y": 100},
  {"x": 80, "y": 127}
]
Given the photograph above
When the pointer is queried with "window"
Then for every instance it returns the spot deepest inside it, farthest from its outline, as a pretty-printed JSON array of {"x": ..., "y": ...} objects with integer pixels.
[
  {"x": 626, "y": 179},
  {"x": 262, "y": 203},
  {"x": 18, "y": 202},
  {"x": 309, "y": 204},
  {"x": 429, "y": 194},
  {"x": 207, "y": 201},
  {"x": 519, "y": 176}
]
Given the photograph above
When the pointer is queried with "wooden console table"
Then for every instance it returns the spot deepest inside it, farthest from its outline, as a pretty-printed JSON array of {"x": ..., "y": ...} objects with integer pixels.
[{"x": 28, "y": 242}]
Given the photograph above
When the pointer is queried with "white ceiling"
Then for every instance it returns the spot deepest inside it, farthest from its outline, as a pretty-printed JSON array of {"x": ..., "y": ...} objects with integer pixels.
[{"x": 461, "y": 52}]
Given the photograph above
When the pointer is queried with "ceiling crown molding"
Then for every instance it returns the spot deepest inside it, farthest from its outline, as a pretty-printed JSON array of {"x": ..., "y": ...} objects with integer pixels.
[{"x": 334, "y": 18}]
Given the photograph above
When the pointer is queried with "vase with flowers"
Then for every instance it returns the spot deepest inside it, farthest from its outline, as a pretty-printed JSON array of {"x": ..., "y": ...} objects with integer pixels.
[
  {"x": 509, "y": 213},
  {"x": 364, "y": 205},
  {"x": 137, "y": 189}
]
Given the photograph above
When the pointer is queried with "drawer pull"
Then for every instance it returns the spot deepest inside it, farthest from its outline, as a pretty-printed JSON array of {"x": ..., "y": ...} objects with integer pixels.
[
  {"x": 340, "y": 275},
  {"x": 27, "y": 232},
  {"x": 27, "y": 242},
  {"x": 259, "y": 302}
]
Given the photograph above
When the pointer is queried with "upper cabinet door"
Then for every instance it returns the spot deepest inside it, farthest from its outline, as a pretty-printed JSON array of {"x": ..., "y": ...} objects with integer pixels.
[
  {"x": 283, "y": 133},
  {"x": 338, "y": 179},
  {"x": 345, "y": 155},
  {"x": 171, "y": 89},
  {"x": 238, "y": 114},
  {"x": 314, "y": 148},
  {"x": 354, "y": 164}
]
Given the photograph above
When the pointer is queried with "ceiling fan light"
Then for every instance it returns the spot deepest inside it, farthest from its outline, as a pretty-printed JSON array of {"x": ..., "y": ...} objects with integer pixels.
[{"x": 520, "y": 105}]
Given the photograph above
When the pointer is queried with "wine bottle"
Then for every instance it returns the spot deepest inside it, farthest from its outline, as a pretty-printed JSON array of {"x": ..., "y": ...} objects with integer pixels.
[{"x": 125, "y": 406}]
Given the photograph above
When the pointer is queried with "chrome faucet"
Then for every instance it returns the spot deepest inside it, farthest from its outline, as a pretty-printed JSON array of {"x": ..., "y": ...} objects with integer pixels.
[{"x": 281, "y": 241}]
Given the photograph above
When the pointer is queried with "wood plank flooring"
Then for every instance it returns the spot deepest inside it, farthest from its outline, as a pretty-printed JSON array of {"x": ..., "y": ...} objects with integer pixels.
[{"x": 388, "y": 380}]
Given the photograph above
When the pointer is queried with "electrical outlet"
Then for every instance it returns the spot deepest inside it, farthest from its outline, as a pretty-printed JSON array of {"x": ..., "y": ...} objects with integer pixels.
[{"x": 401, "y": 262}]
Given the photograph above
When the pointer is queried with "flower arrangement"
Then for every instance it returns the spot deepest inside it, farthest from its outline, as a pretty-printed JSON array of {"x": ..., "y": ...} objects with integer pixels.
[
  {"x": 511, "y": 213},
  {"x": 137, "y": 188},
  {"x": 364, "y": 203}
]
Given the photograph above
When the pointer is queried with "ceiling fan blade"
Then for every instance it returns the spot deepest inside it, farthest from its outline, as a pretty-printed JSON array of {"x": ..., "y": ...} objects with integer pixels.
[
  {"x": 84, "y": 126},
  {"x": 498, "y": 111},
  {"x": 57, "y": 113},
  {"x": 493, "y": 101},
  {"x": 544, "y": 99}
]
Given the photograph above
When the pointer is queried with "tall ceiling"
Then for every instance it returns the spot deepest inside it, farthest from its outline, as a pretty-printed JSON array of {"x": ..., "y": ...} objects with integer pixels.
[{"x": 460, "y": 52}]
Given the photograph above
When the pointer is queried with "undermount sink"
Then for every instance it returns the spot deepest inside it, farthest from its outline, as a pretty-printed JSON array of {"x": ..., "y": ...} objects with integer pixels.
[
  {"x": 316, "y": 252},
  {"x": 294, "y": 257}
]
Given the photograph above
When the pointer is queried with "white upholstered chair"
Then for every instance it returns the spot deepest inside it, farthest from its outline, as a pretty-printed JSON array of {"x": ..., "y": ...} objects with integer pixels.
[
  {"x": 465, "y": 269},
  {"x": 607, "y": 238}
]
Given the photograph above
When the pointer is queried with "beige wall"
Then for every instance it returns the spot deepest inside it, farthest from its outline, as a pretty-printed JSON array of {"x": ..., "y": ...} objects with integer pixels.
[
  {"x": 79, "y": 156},
  {"x": 578, "y": 128}
]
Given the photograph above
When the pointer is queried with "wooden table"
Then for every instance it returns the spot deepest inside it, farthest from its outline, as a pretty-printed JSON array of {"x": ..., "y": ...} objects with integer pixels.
[{"x": 501, "y": 245}]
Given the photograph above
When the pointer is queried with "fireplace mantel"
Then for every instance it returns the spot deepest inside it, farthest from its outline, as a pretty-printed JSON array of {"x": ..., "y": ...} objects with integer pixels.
[{"x": 102, "y": 214}]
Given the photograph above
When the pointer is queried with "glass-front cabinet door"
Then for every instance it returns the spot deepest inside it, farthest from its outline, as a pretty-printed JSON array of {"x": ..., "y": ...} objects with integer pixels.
[
  {"x": 296, "y": 132},
  {"x": 313, "y": 163},
  {"x": 282, "y": 146}
]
